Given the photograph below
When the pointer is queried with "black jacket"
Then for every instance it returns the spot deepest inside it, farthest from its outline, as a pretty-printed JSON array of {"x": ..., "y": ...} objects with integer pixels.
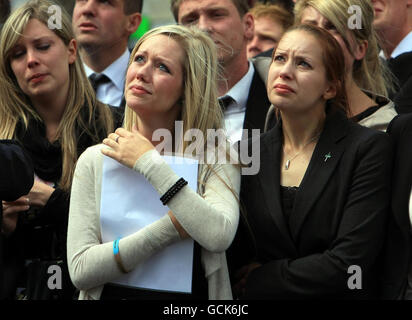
[
  {"x": 338, "y": 218},
  {"x": 401, "y": 68},
  {"x": 398, "y": 244},
  {"x": 16, "y": 180}
]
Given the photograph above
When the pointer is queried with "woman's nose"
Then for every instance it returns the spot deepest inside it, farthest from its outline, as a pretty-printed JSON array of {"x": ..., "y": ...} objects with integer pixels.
[
  {"x": 32, "y": 59},
  {"x": 286, "y": 71}
]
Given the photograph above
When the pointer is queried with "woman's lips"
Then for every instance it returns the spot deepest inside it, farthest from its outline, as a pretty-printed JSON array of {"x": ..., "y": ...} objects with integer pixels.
[
  {"x": 283, "y": 88},
  {"x": 139, "y": 90},
  {"x": 38, "y": 77}
]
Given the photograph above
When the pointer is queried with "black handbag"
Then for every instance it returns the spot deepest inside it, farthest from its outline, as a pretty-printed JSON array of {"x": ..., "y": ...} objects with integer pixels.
[
  {"x": 43, "y": 281},
  {"x": 46, "y": 276}
]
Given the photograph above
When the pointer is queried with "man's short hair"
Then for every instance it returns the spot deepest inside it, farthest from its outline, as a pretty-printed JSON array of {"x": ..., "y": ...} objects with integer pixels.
[
  {"x": 274, "y": 12},
  {"x": 132, "y": 6},
  {"x": 241, "y": 5}
]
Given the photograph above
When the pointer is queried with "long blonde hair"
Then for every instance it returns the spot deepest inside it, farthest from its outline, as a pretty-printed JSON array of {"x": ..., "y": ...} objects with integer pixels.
[
  {"x": 369, "y": 73},
  {"x": 15, "y": 106},
  {"x": 200, "y": 108}
]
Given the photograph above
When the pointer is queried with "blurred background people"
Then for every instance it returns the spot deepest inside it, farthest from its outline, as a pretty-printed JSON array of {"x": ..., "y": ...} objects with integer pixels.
[
  {"x": 393, "y": 23},
  {"x": 270, "y": 22},
  {"x": 242, "y": 85},
  {"x": 366, "y": 76},
  {"x": 286, "y": 4},
  {"x": 102, "y": 29}
]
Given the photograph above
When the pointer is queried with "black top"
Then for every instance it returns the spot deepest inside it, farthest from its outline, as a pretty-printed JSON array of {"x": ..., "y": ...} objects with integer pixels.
[
  {"x": 287, "y": 195},
  {"x": 381, "y": 101},
  {"x": 16, "y": 179},
  {"x": 16, "y": 171},
  {"x": 41, "y": 233}
]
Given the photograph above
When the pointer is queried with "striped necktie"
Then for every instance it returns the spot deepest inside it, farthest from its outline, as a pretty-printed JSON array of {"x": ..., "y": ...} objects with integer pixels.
[
  {"x": 225, "y": 102},
  {"x": 96, "y": 79}
]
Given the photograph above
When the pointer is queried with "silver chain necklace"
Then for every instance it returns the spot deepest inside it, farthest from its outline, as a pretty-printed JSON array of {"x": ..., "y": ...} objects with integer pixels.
[{"x": 287, "y": 163}]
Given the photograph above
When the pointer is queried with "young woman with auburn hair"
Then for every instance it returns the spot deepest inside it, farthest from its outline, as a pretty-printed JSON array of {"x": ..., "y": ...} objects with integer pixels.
[{"x": 318, "y": 205}]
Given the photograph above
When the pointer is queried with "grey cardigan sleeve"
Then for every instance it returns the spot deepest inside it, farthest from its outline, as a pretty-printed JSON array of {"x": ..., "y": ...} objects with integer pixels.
[
  {"x": 212, "y": 218},
  {"x": 91, "y": 262}
]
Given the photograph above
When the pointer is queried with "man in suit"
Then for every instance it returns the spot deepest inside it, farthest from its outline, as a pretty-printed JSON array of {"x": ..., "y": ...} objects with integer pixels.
[
  {"x": 397, "y": 275},
  {"x": 102, "y": 29},
  {"x": 393, "y": 22},
  {"x": 231, "y": 26}
]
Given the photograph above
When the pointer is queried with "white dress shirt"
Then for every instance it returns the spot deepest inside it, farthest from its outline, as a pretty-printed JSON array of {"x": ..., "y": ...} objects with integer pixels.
[
  {"x": 112, "y": 92},
  {"x": 404, "y": 46},
  {"x": 235, "y": 112}
]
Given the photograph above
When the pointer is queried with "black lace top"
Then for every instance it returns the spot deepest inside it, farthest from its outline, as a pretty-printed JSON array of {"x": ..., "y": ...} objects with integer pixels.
[{"x": 287, "y": 195}]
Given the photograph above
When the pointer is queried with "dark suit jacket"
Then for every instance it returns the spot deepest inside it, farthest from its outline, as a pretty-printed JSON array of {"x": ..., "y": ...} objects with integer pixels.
[
  {"x": 257, "y": 105},
  {"x": 401, "y": 67},
  {"x": 398, "y": 245},
  {"x": 16, "y": 171},
  {"x": 338, "y": 218},
  {"x": 16, "y": 180}
]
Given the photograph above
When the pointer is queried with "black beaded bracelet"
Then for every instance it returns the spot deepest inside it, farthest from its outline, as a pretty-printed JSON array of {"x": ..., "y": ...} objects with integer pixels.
[{"x": 173, "y": 190}]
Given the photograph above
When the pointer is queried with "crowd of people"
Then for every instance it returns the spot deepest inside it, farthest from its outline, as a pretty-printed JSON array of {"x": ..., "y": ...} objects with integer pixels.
[{"x": 82, "y": 113}]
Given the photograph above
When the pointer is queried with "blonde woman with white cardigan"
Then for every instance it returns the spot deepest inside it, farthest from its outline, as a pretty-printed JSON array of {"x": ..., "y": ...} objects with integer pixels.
[{"x": 171, "y": 76}]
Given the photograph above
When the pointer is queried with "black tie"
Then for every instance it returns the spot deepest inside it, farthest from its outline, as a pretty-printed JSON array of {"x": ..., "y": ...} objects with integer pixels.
[
  {"x": 225, "y": 102},
  {"x": 96, "y": 79}
]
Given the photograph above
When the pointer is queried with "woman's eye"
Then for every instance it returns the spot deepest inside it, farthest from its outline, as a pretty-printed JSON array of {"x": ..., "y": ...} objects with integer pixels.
[
  {"x": 17, "y": 54},
  {"x": 43, "y": 47},
  {"x": 139, "y": 58},
  {"x": 163, "y": 67},
  {"x": 279, "y": 58},
  {"x": 304, "y": 64}
]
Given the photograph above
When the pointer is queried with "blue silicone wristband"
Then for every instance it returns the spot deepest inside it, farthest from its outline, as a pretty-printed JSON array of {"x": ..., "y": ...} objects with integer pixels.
[{"x": 116, "y": 246}]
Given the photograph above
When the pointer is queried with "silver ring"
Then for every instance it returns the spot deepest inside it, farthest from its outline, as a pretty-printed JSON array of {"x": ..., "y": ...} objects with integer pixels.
[{"x": 117, "y": 139}]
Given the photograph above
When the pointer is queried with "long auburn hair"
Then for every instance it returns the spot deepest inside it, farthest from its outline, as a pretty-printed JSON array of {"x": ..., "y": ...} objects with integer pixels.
[
  {"x": 15, "y": 106},
  {"x": 333, "y": 62}
]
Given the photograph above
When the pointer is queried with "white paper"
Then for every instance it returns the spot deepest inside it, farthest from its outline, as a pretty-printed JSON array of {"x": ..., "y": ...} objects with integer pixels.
[{"x": 128, "y": 203}]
